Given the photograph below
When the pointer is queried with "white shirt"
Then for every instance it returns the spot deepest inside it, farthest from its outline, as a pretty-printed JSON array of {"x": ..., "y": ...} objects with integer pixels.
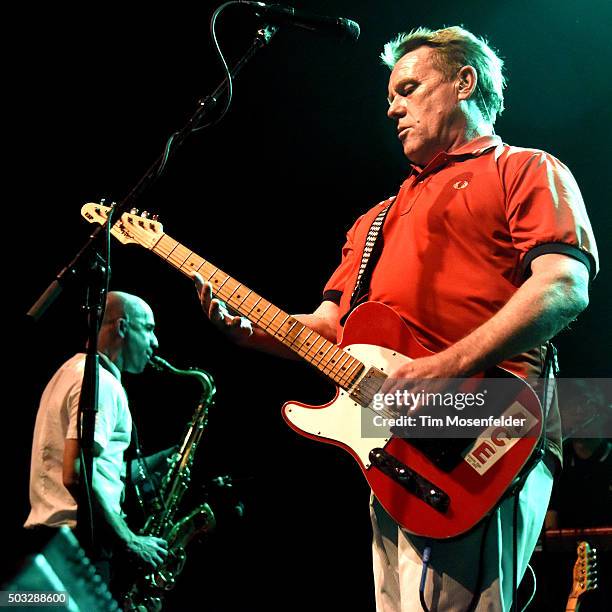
[{"x": 56, "y": 421}]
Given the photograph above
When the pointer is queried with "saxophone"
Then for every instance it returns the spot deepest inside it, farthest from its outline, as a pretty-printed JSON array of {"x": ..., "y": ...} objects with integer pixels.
[{"x": 146, "y": 594}]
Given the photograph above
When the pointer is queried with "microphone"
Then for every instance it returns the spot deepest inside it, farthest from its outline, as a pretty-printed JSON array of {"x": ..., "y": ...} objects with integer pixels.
[{"x": 280, "y": 14}]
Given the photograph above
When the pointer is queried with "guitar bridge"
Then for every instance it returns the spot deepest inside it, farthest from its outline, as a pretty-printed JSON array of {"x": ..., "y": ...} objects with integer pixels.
[{"x": 410, "y": 480}]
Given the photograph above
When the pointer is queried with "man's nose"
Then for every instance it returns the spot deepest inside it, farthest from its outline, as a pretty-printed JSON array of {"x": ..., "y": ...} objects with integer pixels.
[
  {"x": 396, "y": 108},
  {"x": 154, "y": 342}
]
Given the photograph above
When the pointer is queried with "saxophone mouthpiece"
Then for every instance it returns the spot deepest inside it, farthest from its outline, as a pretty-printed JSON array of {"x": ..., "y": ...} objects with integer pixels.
[{"x": 158, "y": 363}]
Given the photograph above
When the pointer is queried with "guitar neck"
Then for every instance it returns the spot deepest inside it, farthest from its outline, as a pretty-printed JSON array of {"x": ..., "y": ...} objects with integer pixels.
[
  {"x": 338, "y": 365},
  {"x": 573, "y": 604}
]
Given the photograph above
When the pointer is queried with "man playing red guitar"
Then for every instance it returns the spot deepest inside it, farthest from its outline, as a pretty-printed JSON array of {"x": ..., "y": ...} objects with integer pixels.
[{"x": 487, "y": 254}]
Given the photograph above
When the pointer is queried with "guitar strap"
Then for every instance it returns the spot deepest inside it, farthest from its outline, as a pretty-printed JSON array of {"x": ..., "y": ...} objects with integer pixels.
[
  {"x": 370, "y": 256},
  {"x": 550, "y": 370}
]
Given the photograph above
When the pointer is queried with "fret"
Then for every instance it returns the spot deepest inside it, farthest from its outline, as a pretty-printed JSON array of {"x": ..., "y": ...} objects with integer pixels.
[
  {"x": 280, "y": 328},
  {"x": 248, "y": 314},
  {"x": 305, "y": 345},
  {"x": 350, "y": 377},
  {"x": 291, "y": 340},
  {"x": 286, "y": 335},
  {"x": 295, "y": 322},
  {"x": 308, "y": 336},
  {"x": 246, "y": 297},
  {"x": 284, "y": 320},
  {"x": 278, "y": 311},
  {"x": 347, "y": 380},
  {"x": 267, "y": 322},
  {"x": 327, "y": 351},
  {"x": 180, "y": 253},
  {"x": 316, "y": 350},
  {"x": 215, "y": 281},
  {"x": 344, "y": 378},
  {"x": 172, "y": 250},
  {"x": 342, "y": 364},
  {"x": 332, "y": 360},
  {"x": 209, "y": 276},
  {"x": 229, "y": 297},
  {"x": 193, "y": 264},
  {"x": 182, "y": 262},
  {"x": 264, "y": 312},
  {"x": 327, "y": 368},
  {"x": 330, "y": 364},
  {"x": 223, "y": 283},
  {"x": 159, "y": 247}
]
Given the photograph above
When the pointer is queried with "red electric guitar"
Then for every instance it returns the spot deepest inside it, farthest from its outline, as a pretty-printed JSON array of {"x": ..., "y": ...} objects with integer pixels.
[{"x": 437, "y": 489}]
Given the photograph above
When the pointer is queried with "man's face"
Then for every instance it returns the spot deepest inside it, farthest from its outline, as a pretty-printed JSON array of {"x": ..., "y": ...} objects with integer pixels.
[
  {"x": 425, "y": 106},
  {"x": 140, "y": 341}
]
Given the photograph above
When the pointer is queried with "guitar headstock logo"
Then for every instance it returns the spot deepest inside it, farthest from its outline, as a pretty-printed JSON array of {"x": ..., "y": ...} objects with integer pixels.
[{"x": 130, "y": 228}]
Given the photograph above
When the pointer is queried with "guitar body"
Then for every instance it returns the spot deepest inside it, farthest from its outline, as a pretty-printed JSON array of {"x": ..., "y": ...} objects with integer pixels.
[{"x": 377, "y": 336}]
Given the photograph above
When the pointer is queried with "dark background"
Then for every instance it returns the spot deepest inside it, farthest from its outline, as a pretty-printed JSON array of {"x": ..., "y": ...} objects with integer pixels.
[{"x": 267, "y": 194}]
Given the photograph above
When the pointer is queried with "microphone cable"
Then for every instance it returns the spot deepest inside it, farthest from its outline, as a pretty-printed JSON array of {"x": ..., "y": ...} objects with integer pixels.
[{"x": 227, "y": 81}]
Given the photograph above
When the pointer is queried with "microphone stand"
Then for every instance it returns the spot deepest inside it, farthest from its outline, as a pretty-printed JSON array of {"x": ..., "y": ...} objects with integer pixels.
[{"x": 97, "y": 282}]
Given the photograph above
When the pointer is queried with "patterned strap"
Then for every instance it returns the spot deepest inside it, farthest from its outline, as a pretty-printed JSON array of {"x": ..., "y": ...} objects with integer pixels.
[
  {"x": 373, "y": 240},
  {"x": 369, "y": 257}
]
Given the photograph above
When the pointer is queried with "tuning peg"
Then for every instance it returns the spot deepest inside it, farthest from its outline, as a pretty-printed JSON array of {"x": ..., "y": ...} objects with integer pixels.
[
  {"x": 133, "y": 211},
  {"x": 144, "y": 214},
  {"x": 155, "y": 217}
]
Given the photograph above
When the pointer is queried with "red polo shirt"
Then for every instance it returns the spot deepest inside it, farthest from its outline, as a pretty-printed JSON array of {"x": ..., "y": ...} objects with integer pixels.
[{"x": 460, "y": 237}]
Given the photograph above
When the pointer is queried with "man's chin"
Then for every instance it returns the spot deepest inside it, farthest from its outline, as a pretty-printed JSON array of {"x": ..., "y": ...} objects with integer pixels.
[
  {"x": 413, "y": 155},
  {"x": 135, "y": 369},
  {"x": 418, "y": 157}
]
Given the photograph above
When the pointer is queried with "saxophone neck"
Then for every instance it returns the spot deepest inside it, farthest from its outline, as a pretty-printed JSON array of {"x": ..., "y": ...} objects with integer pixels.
[{"x": 205, "y": 379}]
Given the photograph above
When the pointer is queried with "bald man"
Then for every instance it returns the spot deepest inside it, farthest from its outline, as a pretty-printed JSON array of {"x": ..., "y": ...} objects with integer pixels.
[{"x": 126, "y": 342}]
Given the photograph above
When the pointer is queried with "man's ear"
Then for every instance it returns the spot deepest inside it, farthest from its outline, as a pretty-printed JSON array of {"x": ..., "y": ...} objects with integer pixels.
[
  {"x": 467, "y": 80},
  {"x": 122, "y": 327}
]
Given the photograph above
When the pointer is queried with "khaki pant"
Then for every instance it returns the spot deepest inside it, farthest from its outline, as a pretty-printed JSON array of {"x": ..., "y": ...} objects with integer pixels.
[{"x": 453, "y": 567}]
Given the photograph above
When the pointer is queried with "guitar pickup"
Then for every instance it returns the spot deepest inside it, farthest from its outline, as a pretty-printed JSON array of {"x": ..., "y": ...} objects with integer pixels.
[
  {"x": 410, "y": 480},
  {"x": 368, "y": 386}
]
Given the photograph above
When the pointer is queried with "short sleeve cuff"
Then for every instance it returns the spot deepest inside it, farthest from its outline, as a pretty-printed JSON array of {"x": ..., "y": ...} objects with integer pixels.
[
  {"x": 333, "y": 295},
  {"x": 562, "y": 249}
]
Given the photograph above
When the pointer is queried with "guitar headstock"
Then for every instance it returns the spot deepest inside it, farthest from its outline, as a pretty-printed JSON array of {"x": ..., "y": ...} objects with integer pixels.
[
  {"x": 585, "y": 570},
  {"x": 130, "y": 228}
]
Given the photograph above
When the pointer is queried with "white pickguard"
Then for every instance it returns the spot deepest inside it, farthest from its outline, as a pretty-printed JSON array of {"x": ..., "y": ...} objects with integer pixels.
[{"x": 341, "y": 420}]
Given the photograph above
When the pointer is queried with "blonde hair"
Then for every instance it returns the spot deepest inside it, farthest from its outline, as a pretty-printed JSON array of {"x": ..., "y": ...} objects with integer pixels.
[{"x": 454, "y": 48}]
